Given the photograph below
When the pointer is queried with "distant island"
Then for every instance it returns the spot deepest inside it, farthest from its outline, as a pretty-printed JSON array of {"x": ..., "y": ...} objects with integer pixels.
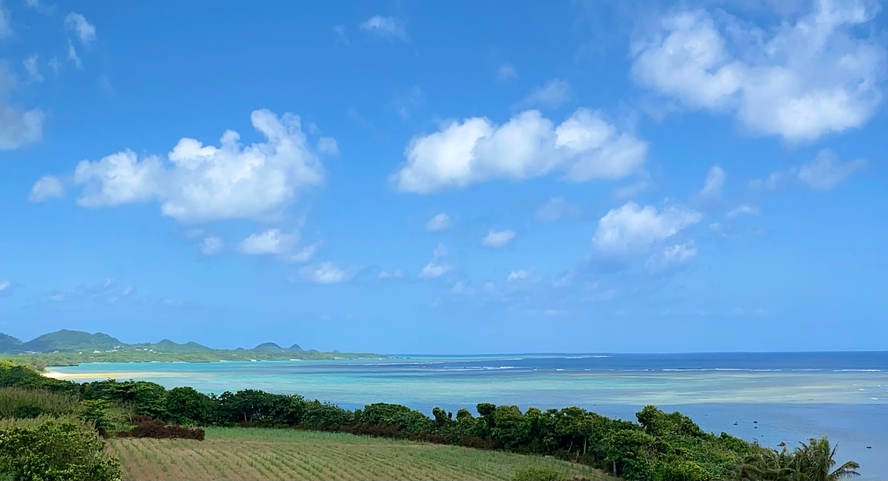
[{"x": 69, "y": 348}]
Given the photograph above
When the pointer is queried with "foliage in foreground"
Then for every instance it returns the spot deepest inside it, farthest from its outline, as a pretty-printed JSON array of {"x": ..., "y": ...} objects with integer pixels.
[
  {"x": 658, "y": 447},
  {"x": 55, "y": 450},
  {"x": 812, "y": 461}
]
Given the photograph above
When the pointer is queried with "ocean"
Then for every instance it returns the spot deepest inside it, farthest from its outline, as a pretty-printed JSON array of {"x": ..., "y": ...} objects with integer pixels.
[{"x": 773, "y": 397}]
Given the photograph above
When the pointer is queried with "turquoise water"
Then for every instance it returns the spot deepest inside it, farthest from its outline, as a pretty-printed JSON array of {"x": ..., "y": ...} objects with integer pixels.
[{"x": 792, "y": 396}]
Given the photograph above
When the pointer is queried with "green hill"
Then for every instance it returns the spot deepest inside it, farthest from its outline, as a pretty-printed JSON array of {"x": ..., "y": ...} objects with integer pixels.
[
  {"x": 68, "y": 347},
  {"x": 169, "y": 346},
  {"x": 10, "y": 344},
  {"x": 69, "y": 341}
]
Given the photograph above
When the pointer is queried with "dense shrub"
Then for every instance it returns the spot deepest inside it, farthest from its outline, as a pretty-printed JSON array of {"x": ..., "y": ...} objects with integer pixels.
[
  {"x": 29, "y": 403},
  {"x": 56, "y": 451},
  {"x": 184, "y": 405},
  {"x": 98, "y": 414},
  {"x": 158, "y": 430}
]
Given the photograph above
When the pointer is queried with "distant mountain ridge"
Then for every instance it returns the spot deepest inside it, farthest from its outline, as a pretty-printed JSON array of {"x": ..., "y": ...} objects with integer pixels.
[{"x": 79, "y": 341}]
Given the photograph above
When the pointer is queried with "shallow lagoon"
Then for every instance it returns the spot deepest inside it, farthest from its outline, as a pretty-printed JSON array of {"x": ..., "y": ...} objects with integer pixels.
[{"x": 792, "y": 396}]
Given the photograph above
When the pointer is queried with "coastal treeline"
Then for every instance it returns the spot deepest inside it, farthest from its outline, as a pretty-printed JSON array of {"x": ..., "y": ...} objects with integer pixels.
[{"x": 660, "y": 446}]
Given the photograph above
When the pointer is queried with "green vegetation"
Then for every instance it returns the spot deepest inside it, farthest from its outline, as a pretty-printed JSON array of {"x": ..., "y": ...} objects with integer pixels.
[
  {"x": 55, "y": 450},
  {"x": 658, "y": 447},
  {"x": 67, "y": 348},
  {"x": 27, "y": 403}
]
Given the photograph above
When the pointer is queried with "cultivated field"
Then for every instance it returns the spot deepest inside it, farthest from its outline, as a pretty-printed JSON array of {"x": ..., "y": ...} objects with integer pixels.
[{"x": 263, "y": 454}]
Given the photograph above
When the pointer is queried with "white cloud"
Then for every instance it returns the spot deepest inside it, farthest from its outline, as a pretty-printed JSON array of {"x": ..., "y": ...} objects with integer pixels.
[
  {"x": 33, "y": 70},
  {"x": 632, "y": 230},
  {"x": 672, "y": 256},
  {"x": 328, "y": 145},
  {"x": 552, "y": 95},
  {"x": 17, "y": 127},
  {"x": 212, "y": 245},
  {"x": 800, "y": 80},
  {"x": 506, "y": 72},
  {"x": 275, "y": 242},
  {"x": 303, "y": 254},
  {"x": 325, "y": 273},
  {"x": 433, "y": 270},
  {"x": 715, "y": 179},
  {"x": 86, "y": 32},
  {"x": 440, "y": 251},
  {"x": 498, "y": 239},
  {"x": 827, "y": 171},
  {"x": 72, "y": 56},
  {"x": 517, "y": 275},
  {"x": 397, "y": 274},
  {"x": 201, "y": 183},
  {"x": 388, "y": 27},
  {"x": 556, "y": 208},
  {"x": 582, "y": 148},
  {"x": 47, "y": 187},
  {"x": 4, "y": 285},
  {"x": 743, "y": 209},
  {"x": 439, "y": 222}
]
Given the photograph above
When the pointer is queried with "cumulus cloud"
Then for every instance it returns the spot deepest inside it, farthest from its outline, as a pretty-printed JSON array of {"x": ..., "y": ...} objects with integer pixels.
[
  {"x": 517, "y": 275},
  {"x": 497, "y": 239},
  {"x": 474, "y": 150},
  {"x": 18, "y": 127},
  {"x": 825, "y": 172},
  {"x": 800, "y": 80},
  {"x": 396, "y": 274},
  {"x": 556, "y": 208},
  {"x": 328, "y": 145},
  {"x": 325, "y": 273},
  {"x": 631, "y": 230},
  {"x": 551, "y": 95},
  {"x": 85, "y": 31},
  {"x": 272, "y": 241},
  {"x": 439, "y": 222},
  {"x": 715, "y": 179},
  {"x": 388, "y": 27},
  {"x": 275, "y": 242},
  {"x": 212, "y": 245},
  {"x": 436, "y": 268},
  {"x": 672, "y": 256},
  {"x": 433, "y": 270},
  {"x": 199, "y": 183},
  {"x": 47, "y": 187}
]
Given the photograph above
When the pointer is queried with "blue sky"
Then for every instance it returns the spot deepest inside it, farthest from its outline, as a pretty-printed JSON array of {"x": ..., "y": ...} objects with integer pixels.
[{"x": 459, "y": 177}]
